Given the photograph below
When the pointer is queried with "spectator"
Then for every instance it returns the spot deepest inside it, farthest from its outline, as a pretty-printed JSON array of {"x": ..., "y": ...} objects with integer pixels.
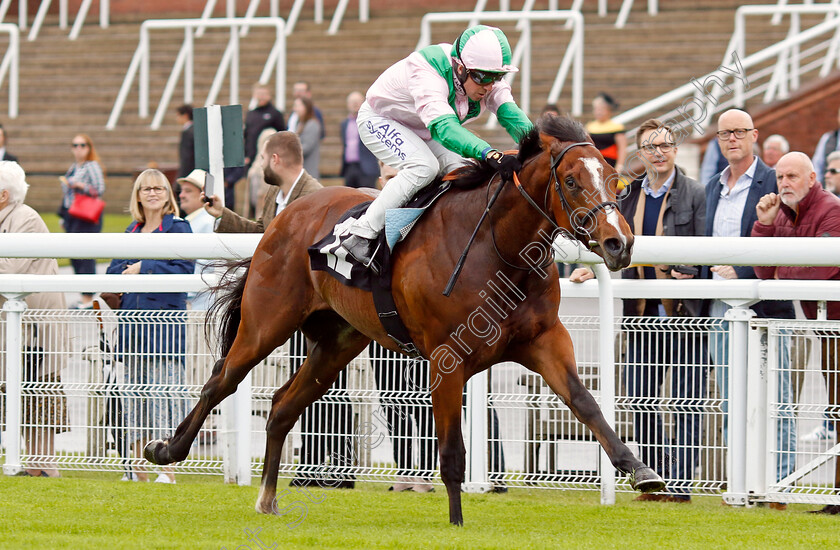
[
  {"x": 713, "y": 162},
  {"x": 803, "y": 209},
  {"x": 4, "y": 153},
  {"x": 829, "y": 142},
  {"x": 731, "y": 198},
  {"x": 301, "y": 89},
  {"x": 550, "y": 109},
  {"x": 282, "y": 158},
  {"x": 257, "y": 187},
  {"x": 152, "y": 349},
  {"x": 186, "y": 147},
  {"x": 308, "y": 129},
  {"x": 264, "y": 115},
  {"x": 773, "y": 148},
  {"x": 608, "y": 136},
  {"x": 85, "y": 176},
  {"x": 200, "y": 222},
  {"x": 359, "y": 166},
  {"x": 832, "y": 173},
  {"x": 284, "y": 173},
  {"x": 664, "y": 202},
  {"x": 45, "y": 347}
]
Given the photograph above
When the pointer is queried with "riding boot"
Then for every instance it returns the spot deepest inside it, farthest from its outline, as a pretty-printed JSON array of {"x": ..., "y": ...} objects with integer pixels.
[{"x": 362, "y": 250}]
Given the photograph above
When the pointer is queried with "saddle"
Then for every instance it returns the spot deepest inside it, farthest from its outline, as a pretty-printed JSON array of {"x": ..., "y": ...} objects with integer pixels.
[{"x": 328, "y": 255}]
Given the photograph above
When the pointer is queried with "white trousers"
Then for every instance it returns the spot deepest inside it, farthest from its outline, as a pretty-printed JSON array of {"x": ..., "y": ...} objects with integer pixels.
[{"x": 418, "y": 161}]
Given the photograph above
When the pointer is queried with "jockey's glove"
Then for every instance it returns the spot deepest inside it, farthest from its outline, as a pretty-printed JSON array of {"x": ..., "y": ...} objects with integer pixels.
[{"x": 504, "y": 164}]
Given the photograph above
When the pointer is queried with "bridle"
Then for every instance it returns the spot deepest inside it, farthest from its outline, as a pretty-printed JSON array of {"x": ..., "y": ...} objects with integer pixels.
[{"x": 575, "y": 221}]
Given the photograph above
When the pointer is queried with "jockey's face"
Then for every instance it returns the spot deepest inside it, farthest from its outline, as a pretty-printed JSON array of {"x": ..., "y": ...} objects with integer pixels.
[{"x": 476, "y": 92}]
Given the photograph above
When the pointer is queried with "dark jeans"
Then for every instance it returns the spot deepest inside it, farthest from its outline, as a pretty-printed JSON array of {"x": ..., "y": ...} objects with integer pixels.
[
  {"x": 75, "y": 225},
  {"x": 327, "y": 427},
  {"x": 354, "y": 177},
  {"x": 404, "y": 396},
  {"x": 649, "y": 357}
]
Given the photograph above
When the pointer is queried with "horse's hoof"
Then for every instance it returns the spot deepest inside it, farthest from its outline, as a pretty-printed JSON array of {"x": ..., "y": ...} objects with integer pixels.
[
  {"x": 157, "y": 452},
  {"x": 646, "y": 480}
]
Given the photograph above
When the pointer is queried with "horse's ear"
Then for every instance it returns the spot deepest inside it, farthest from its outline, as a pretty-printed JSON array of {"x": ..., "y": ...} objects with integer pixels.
[{"x": 547, "y": 142}]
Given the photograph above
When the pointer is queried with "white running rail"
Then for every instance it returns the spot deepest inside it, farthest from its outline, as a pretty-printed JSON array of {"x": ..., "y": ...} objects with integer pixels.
[{"x": 276, "y": 62}]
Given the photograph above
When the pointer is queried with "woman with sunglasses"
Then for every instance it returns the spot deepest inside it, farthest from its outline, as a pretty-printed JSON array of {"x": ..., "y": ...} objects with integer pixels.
[
  {"x": 151, "y": 342},
  {"x": 86, "y": 177},
  {"x": 413, "y": 115}
]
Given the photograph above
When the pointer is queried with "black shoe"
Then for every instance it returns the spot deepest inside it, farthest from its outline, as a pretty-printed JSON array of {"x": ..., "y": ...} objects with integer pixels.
[
  {"x": 832, "y": 509},
  {"x": 362, "y": 250}
]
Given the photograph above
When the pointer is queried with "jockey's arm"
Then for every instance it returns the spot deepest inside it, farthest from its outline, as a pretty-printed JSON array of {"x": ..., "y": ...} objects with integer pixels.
[
  {"x": 514, "y": 120},
  {"x": 447, "y": 131}
]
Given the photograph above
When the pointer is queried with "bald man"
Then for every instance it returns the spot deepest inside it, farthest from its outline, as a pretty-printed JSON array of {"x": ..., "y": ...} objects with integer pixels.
[
  {"x": 802, "y": 208},
  {"x": 731, "y": 199}
]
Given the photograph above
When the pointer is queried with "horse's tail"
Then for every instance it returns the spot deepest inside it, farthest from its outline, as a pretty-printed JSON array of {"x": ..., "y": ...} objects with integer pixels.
[{"x": 228, "y": 304}]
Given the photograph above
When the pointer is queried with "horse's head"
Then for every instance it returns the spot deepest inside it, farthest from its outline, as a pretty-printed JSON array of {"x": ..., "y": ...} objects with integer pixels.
[{"x": 582, "y": 188}]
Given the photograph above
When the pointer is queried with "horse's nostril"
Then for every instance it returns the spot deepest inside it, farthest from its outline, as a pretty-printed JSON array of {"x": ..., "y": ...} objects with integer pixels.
[{"x": 613, "y": 246}]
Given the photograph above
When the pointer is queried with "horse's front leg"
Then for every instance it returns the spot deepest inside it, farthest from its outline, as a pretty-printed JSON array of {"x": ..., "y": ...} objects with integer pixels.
[
  {"x": 446, "y": 404},
  {"x": 552, "y": 356}
]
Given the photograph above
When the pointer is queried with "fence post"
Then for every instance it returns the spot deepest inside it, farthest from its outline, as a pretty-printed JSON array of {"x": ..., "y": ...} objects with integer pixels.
[
  {"x": 758, "y": 373},
  {"x": 476, "y": 478},
  {"x": 14, "y": 308},
  {"x": 236, "y": 437},
  {"x": 606, "y": 373},
  {"x": 739, "y": 320}
]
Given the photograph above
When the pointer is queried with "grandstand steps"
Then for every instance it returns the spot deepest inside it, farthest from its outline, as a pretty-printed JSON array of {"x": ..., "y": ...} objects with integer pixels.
[{"x": 70, "y": 86}]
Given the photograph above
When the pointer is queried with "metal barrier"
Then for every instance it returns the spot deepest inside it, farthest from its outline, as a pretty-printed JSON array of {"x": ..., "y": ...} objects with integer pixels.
[
  {"x": 703, "y": 96},
  {"x": 276, "y": 62},
  {"x": 294, "y": 14},
  {"x": 374, "y": 424},
  {"x": 84, "y": 7},
  {"x": 11, "y": 66}
]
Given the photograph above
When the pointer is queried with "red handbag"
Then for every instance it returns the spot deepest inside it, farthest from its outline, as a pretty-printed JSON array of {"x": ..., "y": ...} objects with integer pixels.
[{"x": 86, "y": 208}]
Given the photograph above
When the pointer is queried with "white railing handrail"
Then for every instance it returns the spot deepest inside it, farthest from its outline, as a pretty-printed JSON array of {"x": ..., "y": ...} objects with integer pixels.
[
  {"x": 84, "y": 7},
  {"x": 294, "y": 14},
  {"x": 23, "y": 13},
  {"x": 572, "y": 58},
  {"x": 276, "y": 62},
  {"x": 624, "y": 11},
  {"x": 690, "y": 90},
  {"x": 11, "y": 65}
]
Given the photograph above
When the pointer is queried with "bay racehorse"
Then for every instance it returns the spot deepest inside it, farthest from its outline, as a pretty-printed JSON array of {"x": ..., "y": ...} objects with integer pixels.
[{"x": 565, "y": 185}]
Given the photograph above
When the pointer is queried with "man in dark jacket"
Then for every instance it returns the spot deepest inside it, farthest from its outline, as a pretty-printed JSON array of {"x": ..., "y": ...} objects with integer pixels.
[
  {"x": 804, "y": 209},
  {"x": 664, "y": 202},
  {"x": 731, "y": 199},
  {"x": 264, "y": 115}
]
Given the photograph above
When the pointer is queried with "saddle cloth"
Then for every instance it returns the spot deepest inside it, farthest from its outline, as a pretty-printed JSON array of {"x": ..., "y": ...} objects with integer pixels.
[{"x": 327, "y": 255}]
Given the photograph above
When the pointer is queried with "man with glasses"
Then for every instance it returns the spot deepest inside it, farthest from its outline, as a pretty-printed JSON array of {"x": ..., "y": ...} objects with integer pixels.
[
  {"x": 664, "y": 201},
  {"x": 731, "y": 199},
  {"x": 832, "y": 173},
  {"x": 413, "y": 115}
]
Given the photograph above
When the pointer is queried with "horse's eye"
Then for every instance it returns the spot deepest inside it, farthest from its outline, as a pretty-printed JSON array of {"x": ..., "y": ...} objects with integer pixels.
[{"x": 570, "y": 182}]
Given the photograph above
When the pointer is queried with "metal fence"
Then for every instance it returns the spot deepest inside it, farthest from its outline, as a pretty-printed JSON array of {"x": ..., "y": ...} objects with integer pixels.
[{"x": 124, "y": 377}]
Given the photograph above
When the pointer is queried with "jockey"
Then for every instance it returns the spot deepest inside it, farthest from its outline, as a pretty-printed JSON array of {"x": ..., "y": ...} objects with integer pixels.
[{"x": 412, "y": 120}]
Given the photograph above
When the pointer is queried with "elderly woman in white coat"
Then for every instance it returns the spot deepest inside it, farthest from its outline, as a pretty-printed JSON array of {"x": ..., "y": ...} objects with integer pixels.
[{"x": 45, "y": 342}]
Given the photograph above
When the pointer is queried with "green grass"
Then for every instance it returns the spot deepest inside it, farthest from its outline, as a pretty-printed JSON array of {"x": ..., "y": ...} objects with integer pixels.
[
  {"x": 111, "y": 223},
  {"x": 86, "y": 511}
]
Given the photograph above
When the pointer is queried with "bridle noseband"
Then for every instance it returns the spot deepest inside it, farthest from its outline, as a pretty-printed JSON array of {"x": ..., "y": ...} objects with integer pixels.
[{"x": 575, "y": 220}]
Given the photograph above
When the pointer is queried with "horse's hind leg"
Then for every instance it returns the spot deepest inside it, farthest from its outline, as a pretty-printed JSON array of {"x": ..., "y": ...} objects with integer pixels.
[
  {"x": 255, "y": 340},
  {"x": 332, "y": 343},
  {"x": 552, "y": 356}
]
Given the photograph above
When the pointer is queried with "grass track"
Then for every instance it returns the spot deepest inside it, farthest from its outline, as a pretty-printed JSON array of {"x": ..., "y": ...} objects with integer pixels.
[{"x": 83, "y": 511}]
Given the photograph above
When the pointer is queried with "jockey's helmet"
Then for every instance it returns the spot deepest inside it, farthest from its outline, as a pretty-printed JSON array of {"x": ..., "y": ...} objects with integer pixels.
[{"x": 485, "y": 49}]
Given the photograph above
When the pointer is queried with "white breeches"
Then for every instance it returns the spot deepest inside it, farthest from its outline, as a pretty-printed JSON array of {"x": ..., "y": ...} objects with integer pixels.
[{"x": 417, "y": 160}]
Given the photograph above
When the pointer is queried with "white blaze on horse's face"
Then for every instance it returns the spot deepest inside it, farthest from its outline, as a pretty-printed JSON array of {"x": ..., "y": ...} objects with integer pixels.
[{"x": 595, "y": 169}]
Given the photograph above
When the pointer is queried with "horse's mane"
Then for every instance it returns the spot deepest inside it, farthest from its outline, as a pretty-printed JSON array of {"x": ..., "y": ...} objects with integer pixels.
[{"x": 478, "y": 173}]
